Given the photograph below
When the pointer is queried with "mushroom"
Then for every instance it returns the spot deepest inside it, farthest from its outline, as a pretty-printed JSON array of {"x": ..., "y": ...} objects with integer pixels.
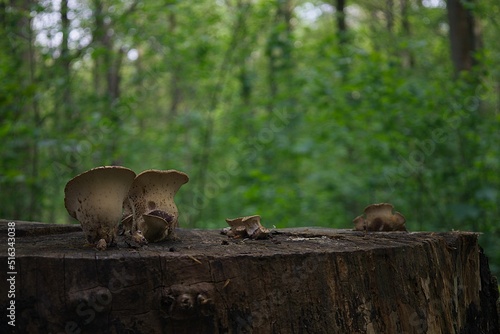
[
  {"x": 157, "y": 228},
  {"x": 95, "y": 198},
  {"x": 128, "y": 216},
  {"x": 380, "y": 217},
  {"x": 150, "y": 205},
  {"x": 135, "y": 239},
  {"x": 246, "y": 227}
]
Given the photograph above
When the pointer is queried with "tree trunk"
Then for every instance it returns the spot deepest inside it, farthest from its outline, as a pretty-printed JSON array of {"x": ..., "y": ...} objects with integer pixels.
[
  {"x": 463, "y": 40},
  {"x": 389, "y": 15},
  {"x": 176, "y": 72},
  {"x": 408, "y": 61},
  {"x": 341, "y": 22},
  {"x": 98, "y": 41},
  {"x": 65, "y": 69},
  {"x": 35, "y": 187},
  {"x": 298, "y": 281},
  {"x": 279, "y": 53},
  {"x": 342, "y": 36},
  {"x": 21, "y": 39},
  {"x": 107, "y": 60}
]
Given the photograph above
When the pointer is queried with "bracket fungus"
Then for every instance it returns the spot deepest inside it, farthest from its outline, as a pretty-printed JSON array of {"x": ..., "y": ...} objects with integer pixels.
[
  {"x": 95, "y": 199},
  {"x": 246, "y": 227},
  {"x": 380, "y": 217},
  {"x": 150, "y": 207}
]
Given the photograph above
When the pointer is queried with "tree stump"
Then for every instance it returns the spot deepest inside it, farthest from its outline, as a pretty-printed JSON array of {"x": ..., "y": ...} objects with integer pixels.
[{"x": 298, "y": 281}]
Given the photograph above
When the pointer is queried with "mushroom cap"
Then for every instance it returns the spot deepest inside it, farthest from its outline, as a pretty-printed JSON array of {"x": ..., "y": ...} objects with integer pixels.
[
  {"x": 359, "y": 223},
  {"x": 249, "y": 226},
  {"x": 95, "y": 199},
  {"x": 152, "y": 194},
  {"x": 127, "y": 222},
  {"x": 139, "y": 238},
  {"x": 101, "y": 244},
  {"x": 248, "y": 223},
  {"x": 380, "y": 217},
  {"x": 156, "y": 228}
]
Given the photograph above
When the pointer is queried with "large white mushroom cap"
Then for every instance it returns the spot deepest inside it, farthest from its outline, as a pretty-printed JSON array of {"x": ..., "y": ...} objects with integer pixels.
[{"x": 95, "y": 199}]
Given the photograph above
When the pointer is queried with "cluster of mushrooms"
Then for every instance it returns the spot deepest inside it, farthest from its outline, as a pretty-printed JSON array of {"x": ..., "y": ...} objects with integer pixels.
[{"x": 103, "y": 197}]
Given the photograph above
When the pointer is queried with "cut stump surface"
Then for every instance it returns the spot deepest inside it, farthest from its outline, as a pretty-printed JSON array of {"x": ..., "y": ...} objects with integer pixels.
[{"x": 304, "y": 280}]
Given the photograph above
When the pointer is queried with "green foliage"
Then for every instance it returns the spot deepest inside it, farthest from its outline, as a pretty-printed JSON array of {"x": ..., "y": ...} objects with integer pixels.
[{"x": 262, "y": 105}]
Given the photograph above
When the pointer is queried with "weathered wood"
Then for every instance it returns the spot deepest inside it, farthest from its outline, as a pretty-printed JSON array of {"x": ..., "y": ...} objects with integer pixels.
[{"x": 299, "y": 281}]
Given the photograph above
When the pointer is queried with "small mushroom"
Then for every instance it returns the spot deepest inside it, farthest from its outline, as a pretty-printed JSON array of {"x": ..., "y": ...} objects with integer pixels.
[
  {"x": 127, "y": 222},
  {"x": 150, "y": 205},
  {"x": 95, "y": 198},
  {"x": 101, "y": 244},
  {"x": 156, "y": 228},
  {"x": 135, "y": 239},
  {"x": 380, "y": 217},
  {"x": 246, "y": 227},
  {"x": 139, "y": 238}
]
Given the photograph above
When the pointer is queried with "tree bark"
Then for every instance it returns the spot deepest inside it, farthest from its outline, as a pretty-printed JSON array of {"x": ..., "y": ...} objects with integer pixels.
[
  {"x": 279, "y": 53},
  {"x": 298, "y": 281},
  {"x": 463, "y": 40},
  {"x": 65, "y": 66},
  {"x": 176, "y": 72},
  {"x": 99, "y": 42},
  {"x": 408, "y": 61},
  {"x": 20, "y": 42},
  {"x": 389, "y": 15},
  {"x": 341, "y": 22},
  {"x": 108, "y": 61}
]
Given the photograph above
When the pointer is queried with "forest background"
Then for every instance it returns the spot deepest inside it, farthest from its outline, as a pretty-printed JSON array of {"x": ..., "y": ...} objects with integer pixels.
[{"x": 301, "y": 111}]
